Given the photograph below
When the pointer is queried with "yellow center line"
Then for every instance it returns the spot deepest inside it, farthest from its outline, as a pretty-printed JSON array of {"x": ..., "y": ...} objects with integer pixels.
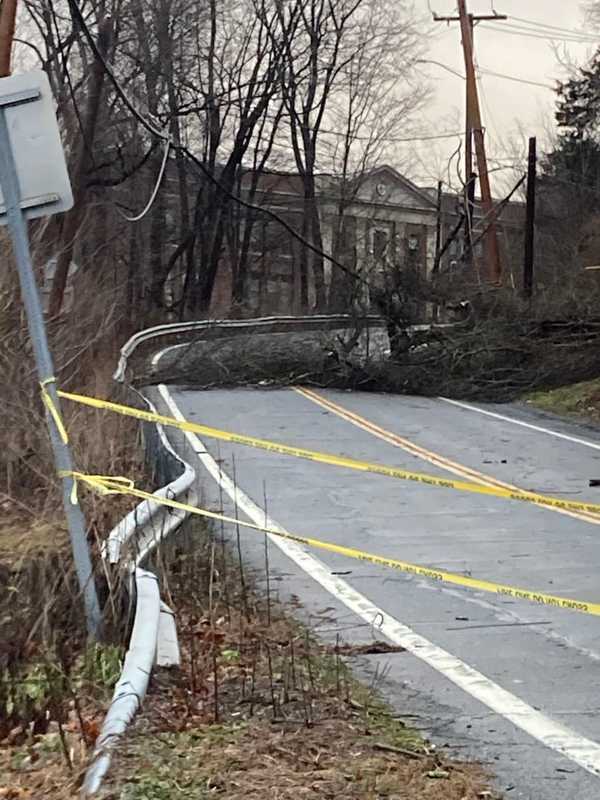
[{"x": 427, "y": 455}]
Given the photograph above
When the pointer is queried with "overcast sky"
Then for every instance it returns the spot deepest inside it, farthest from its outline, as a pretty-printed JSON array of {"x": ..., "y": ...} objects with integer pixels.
[{"x": 511, "y": 110}]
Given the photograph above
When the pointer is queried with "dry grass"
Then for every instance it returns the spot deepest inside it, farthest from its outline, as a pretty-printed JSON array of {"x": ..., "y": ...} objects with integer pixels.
[
  {"x": 42, "y": 625},
  {"x": 578, "y": 399},
  {"x": 46, "y": 759},
  {"x": 337, "y": 758}
]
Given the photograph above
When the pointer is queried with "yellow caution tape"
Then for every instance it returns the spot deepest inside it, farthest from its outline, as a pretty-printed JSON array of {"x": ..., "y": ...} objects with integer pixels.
[
  {"x": 327, "y": 458},
  {"x": 53, "y": 410},
  {"x": 107, "y": 485}
]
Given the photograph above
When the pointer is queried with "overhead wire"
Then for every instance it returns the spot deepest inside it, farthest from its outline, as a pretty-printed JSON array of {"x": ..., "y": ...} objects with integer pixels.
[
  {"x": 67, "y": 76},
  {"x": 548, "y": 32},
  {"x": 495, "y": 74},
  {"x": 495, "y": 212},
  {"x": 519, "y": 31},
  {"x": 396, "y": 139},
  {"x": 149, "y": 125},
  {"x": 539, "y": 24},
  {"x": 157, "y": 185},
  {"x": 488, "y": 72},
  {"x": 486, "y": 105}
]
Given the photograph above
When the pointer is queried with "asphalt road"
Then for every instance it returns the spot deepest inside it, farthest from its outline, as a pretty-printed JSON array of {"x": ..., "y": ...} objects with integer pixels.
[{"x": 507, "y": 682}]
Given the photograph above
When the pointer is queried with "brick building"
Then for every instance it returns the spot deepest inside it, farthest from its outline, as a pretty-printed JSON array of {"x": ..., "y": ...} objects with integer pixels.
[{"x": 386, "y": 218}]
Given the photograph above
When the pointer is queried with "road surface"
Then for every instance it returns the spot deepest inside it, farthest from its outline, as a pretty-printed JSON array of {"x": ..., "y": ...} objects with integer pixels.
[{"x": 512, "y": 684}]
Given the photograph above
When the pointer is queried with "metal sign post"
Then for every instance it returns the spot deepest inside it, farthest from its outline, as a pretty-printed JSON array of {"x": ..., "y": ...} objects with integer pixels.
[{"x": 15, "y": 219}]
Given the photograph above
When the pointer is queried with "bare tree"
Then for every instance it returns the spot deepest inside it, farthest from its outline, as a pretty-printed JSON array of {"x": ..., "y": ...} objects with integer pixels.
[
  {"x": 81, "y": 164},
  {"x": 372, "y": 106},
  {"x": 314, "y": 58},
  {"x": 230, "y": 83},
  {"x": 239, "y": 70}
]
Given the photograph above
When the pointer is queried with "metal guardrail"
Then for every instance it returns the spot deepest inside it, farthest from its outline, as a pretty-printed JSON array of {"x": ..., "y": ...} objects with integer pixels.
[
  {"x": 151, "y": 522},
  {"x": 131, "y": 686},
  {"x": 154, "y": 637}
]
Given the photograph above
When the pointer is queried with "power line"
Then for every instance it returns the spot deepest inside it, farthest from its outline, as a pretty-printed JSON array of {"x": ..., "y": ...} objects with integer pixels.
[
  {"x": 67, "y": 75},
  {"x": 151, "y": 128},
  {"x": 150, "y": 202},
  {"x": 395, "y": 139},
  {"x": 495, "y": 212},
  {"x": 417, "y": 137},
  {"x": 526, "y": 32},
  {"x": 550, "y": 178},
  {"x": 550, "y": 33},
  {"x": 78, "y": 16},
  {"x": 488, "y": 72},
  {"x": 576, "y": 32},
  {"x": 514, "y": 78},
  {"x": 486, "y": 105}
]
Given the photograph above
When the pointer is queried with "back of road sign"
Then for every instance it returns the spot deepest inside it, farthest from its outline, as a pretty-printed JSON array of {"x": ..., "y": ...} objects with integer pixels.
[{"x": 44, "y": 182}]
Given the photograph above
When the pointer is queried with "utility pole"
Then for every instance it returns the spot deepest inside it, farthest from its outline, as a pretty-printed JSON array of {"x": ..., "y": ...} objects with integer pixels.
[
  {"x": 8, "y": 14},
  {"x": 438, "y": 227},
  {"x": 530, "y": 220},
  {"x": 470, "y": 176},
  {"x": 474, "y": 130},
  {"x": 438, "y": 240}
]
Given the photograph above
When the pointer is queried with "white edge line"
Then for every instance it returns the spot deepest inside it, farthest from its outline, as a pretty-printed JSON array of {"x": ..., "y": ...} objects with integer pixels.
[
  {"x": 552, "y": 734},
  {"x": 531, "y": 426}
]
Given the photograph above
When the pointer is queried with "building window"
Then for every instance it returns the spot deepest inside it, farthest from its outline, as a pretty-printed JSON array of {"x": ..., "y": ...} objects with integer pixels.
[
  {"x": 381, "y": 239},
  {"x": 412, "y": 243},
  {"x": 278, "y": 240},
  {"x": 380, "y": 243},
  {"x": 269, "y": 238}
]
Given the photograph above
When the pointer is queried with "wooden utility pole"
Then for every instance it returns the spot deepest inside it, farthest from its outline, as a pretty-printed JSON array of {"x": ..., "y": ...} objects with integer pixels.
[
  {"x": 438, "y": 240},
  {"x": 474, "y": 129},
  {"x": 530, "y": 220},
  {"x": 8, "y": 14}
]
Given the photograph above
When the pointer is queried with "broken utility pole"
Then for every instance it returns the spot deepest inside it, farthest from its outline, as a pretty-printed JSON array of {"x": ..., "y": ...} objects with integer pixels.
[{"x": 474, "y": 130}]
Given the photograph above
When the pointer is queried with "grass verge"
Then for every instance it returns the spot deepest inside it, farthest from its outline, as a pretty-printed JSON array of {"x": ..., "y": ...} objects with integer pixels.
[{"x": 576, "y": 400}]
